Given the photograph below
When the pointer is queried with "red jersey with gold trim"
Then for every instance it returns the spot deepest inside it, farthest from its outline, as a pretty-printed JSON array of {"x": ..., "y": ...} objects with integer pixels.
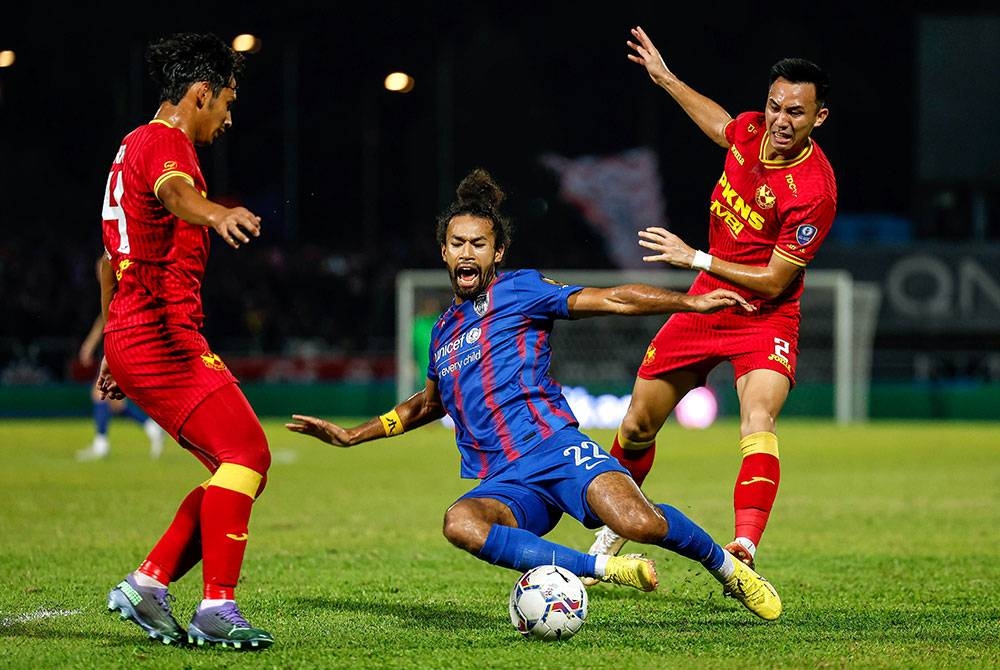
[
  {"x": 158, "y": 259},
  {"x": 762, "y": 206}
]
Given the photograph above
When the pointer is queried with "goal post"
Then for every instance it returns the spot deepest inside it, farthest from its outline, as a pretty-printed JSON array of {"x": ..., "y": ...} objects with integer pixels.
[{"x": 835, "y": 346}]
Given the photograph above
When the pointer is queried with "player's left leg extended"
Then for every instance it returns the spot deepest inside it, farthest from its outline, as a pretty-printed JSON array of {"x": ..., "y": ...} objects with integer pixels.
[
  {"x": 224, "y": 429},
  {"x": 762, "y": 394},
  {"x": 617, "y": 500},
  {"x": 488, "y": 529}
]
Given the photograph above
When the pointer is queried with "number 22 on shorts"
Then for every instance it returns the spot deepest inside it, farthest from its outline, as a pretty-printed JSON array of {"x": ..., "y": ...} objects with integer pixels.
[{"x": 580, "y": 457}]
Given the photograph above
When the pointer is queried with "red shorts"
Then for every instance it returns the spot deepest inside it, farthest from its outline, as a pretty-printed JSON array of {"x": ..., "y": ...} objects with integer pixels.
[
  {"x": 166, "y": 370},
  {"x": 767, "y": 340}
]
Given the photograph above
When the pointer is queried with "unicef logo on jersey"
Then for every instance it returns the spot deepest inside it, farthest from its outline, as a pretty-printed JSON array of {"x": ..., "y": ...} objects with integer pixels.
[
  {"x": 473, "y": 335},
  {"x": 805, "y": 234}
]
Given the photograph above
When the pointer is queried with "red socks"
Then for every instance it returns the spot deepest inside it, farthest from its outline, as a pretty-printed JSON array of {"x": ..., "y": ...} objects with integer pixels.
[
  {"x": 224, "y": 520},
  {"x": 756, "y": 485},
  {"x": 180, "y": 547},
  {"x": 636, "y": 457}
]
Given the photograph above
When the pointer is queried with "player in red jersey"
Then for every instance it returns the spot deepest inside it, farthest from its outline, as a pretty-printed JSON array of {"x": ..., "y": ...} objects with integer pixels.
[
  {"x": 769, "y": 213},
  {"x": 157, "y": 219}
]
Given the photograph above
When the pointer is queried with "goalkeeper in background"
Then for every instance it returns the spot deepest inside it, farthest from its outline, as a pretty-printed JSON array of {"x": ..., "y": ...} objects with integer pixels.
[{"x": 770, "y": 211}]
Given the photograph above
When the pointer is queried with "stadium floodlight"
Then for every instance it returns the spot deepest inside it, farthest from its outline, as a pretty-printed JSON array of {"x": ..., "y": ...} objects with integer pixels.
[
  {"x": 399, "y": 82},
  {"x": 7, "y": 58},
  {"x": 247, "y": 43}
]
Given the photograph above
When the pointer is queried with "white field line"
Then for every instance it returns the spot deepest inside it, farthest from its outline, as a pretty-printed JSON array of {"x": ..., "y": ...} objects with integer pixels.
[{"x": 6, "y": 622}]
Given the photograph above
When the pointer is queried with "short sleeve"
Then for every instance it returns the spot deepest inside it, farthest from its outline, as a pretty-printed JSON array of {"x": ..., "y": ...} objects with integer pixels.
[
  {"x": 803, "y": 230},
  {"x": 542, "y": 298},
  {"x": 168, "y": 154},
  {"x": 744, "y": 128}
]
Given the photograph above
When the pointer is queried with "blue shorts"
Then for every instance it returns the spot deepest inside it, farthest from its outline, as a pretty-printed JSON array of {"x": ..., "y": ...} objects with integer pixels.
[{"x": 550, "y": 480}]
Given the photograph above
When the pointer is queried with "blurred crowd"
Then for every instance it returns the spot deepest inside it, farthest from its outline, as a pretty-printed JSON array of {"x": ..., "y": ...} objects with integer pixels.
[{"x": 262, "y": 299}]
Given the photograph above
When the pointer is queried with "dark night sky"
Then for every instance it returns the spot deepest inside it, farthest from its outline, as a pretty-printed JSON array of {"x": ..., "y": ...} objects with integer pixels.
[{"x": 552, "y": 79}]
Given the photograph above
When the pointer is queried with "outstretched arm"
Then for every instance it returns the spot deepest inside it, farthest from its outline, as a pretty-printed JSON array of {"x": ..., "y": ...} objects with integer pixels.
[
  {"x": 233, "y": 224},
  {"x": 768, "y": 282},
  {"x": 642, "y": 299},
  {"x": 705, "y": 112},
  {"x": 419, "y": 409}
]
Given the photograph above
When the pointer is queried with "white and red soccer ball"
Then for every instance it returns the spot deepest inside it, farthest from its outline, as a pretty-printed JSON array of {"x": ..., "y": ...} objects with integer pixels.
[{"x": 548, "y": 603}]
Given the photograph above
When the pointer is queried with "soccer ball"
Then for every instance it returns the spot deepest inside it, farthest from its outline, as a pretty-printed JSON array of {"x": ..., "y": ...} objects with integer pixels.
[{"x": 548, "y": 603}]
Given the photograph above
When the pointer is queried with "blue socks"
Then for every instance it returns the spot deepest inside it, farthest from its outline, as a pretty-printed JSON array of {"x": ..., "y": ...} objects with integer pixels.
[
  {"x": 134, "y": 413},
  {"x": 522, "y": 550},
  {"x": 102, "y": 416},
  {"x": 688, "y": 539}
]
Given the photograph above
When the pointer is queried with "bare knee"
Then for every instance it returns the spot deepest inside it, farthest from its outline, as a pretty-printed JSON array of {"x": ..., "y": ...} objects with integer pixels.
[
  {"x": 757, "y": 419},
  {"x": 636, "y": 427},
  {"x": 464, "y": 528},
  {"x": 619, "y": 503},
  {"x": 647, "y": 527}
]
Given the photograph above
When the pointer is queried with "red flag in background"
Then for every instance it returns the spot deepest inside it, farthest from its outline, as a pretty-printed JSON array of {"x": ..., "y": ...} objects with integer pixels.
[{"x": 617, "y": 195}]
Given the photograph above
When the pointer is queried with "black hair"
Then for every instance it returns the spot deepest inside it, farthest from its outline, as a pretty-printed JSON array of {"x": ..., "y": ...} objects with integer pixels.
[
  {"x": 478, "y": 195},
  {"x": 179, "y": 60},
  {"x": 802, "y": 71}
]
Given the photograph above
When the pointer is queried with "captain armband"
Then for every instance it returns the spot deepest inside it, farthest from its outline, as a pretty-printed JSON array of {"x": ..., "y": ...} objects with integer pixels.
[
  {"x": 391, "y": 423},
  {"x": 701, "y": 261}
]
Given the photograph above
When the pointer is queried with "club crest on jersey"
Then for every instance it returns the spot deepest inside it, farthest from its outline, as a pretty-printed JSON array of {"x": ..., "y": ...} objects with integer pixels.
[
  {"x": 481, "y": 304},
  {"x": 212, "y": 361},
  {"x": 765, "y": 197},
  {"x": 805, "y": 234}
]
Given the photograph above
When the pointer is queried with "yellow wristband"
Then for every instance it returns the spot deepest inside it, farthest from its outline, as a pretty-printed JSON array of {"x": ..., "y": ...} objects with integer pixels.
[{"x": 391, "y": 423}]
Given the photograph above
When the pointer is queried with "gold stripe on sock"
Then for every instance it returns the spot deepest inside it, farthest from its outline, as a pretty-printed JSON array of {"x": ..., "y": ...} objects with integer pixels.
[
  {"x": 763, "y": 442},
  {"x": 237, "y": 478},
  {"x": 628, "y": 445}
]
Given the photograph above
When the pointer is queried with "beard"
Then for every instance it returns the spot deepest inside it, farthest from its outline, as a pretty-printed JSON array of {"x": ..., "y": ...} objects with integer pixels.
[{"x": 468, "y": 291}]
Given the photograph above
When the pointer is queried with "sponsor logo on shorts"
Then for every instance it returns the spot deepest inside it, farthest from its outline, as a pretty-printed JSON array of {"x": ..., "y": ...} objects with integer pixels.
[
  {"x": 650, "y": 355},
  {"x": 781, "y": 359},
  {"x": 212, "y": 361},
  {"x": 242, "y": 537},
  {"x": 124, "y": 265}
]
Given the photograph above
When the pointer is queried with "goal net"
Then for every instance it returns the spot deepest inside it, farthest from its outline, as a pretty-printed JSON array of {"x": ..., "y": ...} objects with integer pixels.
[{"x": 601, "y": 355}]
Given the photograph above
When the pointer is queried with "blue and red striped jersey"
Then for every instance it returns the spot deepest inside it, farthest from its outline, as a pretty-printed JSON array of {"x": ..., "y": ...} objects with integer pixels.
[{"x": 490, "y": 357}]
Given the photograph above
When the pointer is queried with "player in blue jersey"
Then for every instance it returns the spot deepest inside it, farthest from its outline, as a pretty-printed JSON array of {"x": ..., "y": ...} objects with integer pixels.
[
  {"x": 489, "y": 370},
  {"x": 105, "y": 408}
]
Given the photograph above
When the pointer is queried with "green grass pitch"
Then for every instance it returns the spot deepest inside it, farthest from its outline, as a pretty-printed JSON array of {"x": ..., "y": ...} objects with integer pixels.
[{"x": 883, "y": 545}]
